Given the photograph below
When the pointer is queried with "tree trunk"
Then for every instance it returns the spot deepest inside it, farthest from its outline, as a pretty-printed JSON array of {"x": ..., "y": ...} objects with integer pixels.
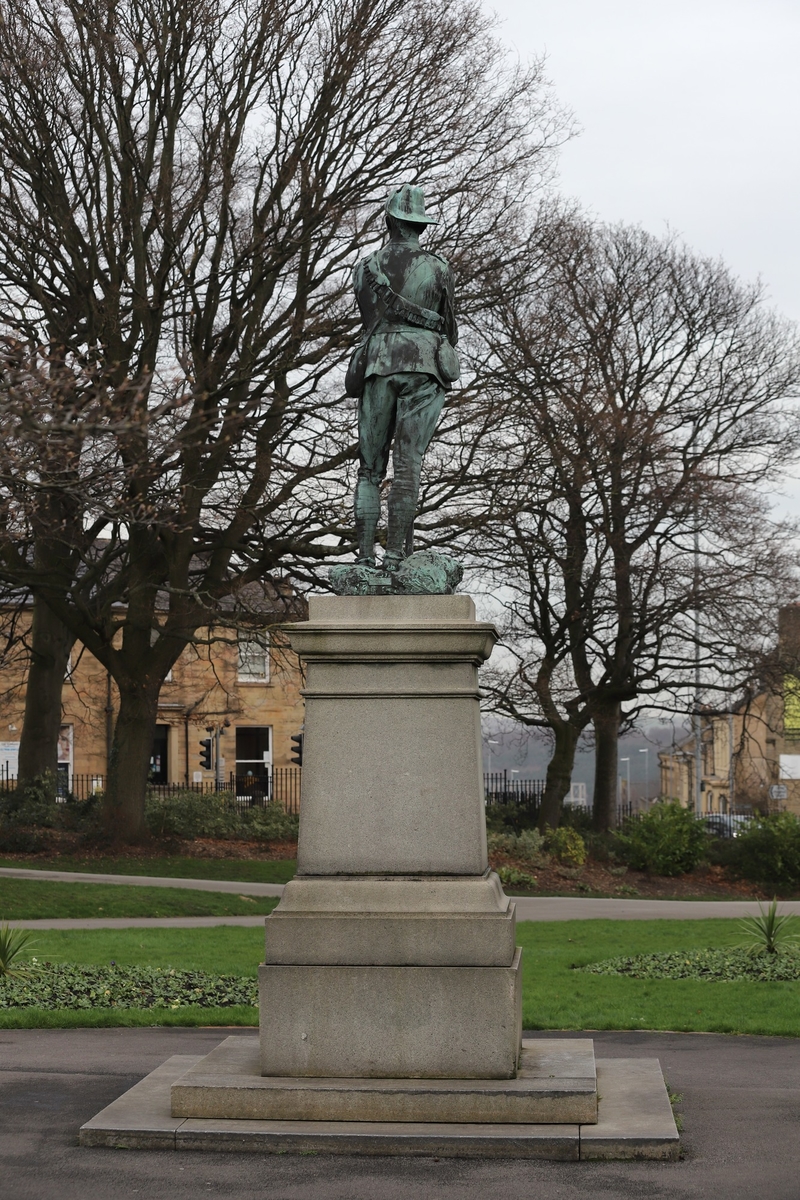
[
  {"x": 51, "y": 643},
  {"x": 559, "y": 775},
  {"x": 606, "y": 721},
  {"x": 129, "y": 767}
]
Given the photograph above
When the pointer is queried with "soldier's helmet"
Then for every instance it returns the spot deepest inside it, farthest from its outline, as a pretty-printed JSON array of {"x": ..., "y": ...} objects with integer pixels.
[{"x": 408, "y": 204}]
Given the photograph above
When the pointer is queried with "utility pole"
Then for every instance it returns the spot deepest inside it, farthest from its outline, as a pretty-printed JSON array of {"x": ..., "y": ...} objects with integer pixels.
[
  {"x": 731, "y": 764},
  {"x": 217, "y": 760},
  {"x": 698, "y": 748},
  {"x": 628, "y": 790},
  {"x": 646, "y": 751}
]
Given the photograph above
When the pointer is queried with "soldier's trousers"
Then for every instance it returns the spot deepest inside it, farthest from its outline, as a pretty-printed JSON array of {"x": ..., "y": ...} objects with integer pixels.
[{"x": 404, "y": 407}]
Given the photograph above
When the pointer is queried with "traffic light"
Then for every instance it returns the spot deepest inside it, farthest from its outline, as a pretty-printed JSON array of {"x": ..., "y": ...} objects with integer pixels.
[
  {"x": 297, "y": 749},
  {"x": 205, "y": 753}
]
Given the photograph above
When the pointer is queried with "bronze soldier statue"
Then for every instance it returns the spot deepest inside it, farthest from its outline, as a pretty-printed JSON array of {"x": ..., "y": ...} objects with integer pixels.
[{"x": 400, "y": 371}]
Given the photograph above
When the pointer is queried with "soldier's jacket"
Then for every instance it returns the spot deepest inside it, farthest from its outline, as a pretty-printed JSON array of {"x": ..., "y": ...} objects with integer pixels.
[{"x": 426, "y": 281}]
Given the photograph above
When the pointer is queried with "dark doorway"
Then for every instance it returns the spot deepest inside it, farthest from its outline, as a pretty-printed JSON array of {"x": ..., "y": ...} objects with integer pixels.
[
  {"x": 159, "y": 766},
  {"x": 253, "y": 761}
]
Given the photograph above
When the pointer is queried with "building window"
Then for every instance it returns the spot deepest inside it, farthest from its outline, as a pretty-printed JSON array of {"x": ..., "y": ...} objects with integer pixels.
[
  {"x": 159, "y": 760},
  {"x": 253, "y": 658},
  {"x": 66, "y": 742},
  {"x": 253, "y": 761}
]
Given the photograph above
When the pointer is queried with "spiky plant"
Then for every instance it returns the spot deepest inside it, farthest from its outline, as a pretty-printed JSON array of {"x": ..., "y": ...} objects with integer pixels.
[
  {"x": 13, "y": 944},
  {"x": 770, "y": 930}
]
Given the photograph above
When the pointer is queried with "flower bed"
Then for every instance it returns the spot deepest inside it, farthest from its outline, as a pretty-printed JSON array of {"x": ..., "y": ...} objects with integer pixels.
[
  {"x": 720, "y": 965},
  {"x": 67, "y": 985}
]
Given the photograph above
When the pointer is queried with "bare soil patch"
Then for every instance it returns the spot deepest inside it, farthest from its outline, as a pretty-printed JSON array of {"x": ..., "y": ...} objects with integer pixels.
[
  {"x": 592, "y": 879},
  {"x": 602, "y": 879},
  {"x": 62, "y": 845}
]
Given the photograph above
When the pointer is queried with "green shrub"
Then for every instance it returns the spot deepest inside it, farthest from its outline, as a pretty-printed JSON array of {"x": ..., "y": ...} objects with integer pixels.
[
  {"x": 269, "y": 823},
  {"x": 528, "y": 845},
  {"x": 767, "y": 852},
  {"x": 16, "y": 840},
  {"x": 34, "y": 805},
  {"x": 511, "y": 877},
  {"x": 27, "y": 815},
  {"x": 566, "y": 845},
  {"x": 189, "y": 814},
  {"x": 501, "y": 843},
  {"x": 577, "y": 818},
  {"x": 510, "y": 818},
  {"x": 666, "y": 840}
]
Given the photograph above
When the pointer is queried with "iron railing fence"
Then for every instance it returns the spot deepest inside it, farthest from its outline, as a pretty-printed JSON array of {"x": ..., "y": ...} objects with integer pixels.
[
  {"x": 501, "y": 788},
  {"x": 281, "y": 786}
]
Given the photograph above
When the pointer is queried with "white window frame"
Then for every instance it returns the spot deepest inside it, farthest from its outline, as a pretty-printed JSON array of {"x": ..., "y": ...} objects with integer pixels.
[{"x": 252, "y": 652}]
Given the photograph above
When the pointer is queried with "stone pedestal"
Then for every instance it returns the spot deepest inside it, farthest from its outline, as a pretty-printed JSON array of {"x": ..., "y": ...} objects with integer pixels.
[
  {"x": 390, "y": 990},
  {"x": 392, "y": 954}
]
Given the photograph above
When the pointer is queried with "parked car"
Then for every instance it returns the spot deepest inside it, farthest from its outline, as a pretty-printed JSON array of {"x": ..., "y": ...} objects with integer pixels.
[{"x": 725, "y": 825}]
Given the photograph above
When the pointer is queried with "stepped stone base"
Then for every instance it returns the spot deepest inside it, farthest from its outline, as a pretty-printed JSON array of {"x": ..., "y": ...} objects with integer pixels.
[
  {"x": 634, "y": 1121},
  {"x": 556, "y": 1083}
]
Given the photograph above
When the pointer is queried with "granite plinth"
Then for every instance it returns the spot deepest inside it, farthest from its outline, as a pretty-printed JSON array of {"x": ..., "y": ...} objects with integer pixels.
[
  {"x": 555, "y": 1083},
  {"x": 392, "y": 770},
  {"x": 412, "y": 922},
  {"x": 391, "y": 1021}
]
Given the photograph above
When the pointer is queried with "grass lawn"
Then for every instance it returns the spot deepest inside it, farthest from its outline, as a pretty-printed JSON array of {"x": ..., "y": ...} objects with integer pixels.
[
  {"x": 554, "y": 996},
  {"x": 244, "y": 870},
  {"x": 557, "y": 997},
  {"x": 30, "y": 899},
  {"x": 222, "y": 949}
]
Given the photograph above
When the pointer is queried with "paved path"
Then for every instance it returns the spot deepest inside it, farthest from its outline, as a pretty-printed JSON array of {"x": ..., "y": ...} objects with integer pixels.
[
  {"x": 195, "y": 885},
  {"x": 741, "y": 1112},
  {"x": 529, "y": 908},
  {"x": 582, "y": 908}
]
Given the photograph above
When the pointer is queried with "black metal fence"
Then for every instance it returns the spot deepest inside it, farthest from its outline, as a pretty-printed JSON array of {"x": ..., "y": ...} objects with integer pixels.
[
  {"x": 521, "y": 798},
  {"x": 501, "y": 788},
  {"x": 281, "y": 786}
]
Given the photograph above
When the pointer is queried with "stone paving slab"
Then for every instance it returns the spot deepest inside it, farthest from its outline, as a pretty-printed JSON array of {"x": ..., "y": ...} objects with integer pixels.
[
  {"x": 635, "y": 1118},
  {"x": 141, "y": 1119},
  {"x": 632, "y": 1124}
]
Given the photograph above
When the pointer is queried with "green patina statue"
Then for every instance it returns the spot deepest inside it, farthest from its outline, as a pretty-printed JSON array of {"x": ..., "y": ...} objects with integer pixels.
[{"x": 400, "y": 371}]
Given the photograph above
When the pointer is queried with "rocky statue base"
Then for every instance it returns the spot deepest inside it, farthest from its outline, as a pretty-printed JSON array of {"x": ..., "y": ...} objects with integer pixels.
[
  {"x": 425, "y": 573},
  {"x": 390, "y": 993}
]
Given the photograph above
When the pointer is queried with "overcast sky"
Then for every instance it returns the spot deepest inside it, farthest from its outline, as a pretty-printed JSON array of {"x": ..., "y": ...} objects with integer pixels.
[{"x": 690, "y": 116}]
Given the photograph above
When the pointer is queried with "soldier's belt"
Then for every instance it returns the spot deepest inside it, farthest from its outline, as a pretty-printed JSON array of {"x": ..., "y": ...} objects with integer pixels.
[{"x": 399, "y": 307}]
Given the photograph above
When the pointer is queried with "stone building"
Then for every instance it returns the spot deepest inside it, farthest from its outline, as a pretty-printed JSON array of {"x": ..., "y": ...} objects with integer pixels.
[
  {"x": 242, "y": 683},
  {"x": 750, "y": 755}
]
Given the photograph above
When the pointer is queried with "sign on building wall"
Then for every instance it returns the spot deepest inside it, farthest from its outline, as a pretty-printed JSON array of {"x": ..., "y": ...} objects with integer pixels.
[
  {"x": 790, "y": 766},
  {"x": 791, "y": 704},
  {"x": 65, "y": 746},
  {"x": 9, "y": 759}
]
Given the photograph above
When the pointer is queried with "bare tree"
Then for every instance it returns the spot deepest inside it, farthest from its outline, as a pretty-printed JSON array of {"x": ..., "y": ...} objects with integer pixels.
[
  {"x": 641, "y": 394},
  {"x": 185, "y": 189}
]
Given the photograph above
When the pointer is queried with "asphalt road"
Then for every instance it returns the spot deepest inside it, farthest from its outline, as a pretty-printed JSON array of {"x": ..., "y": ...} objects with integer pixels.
[{"x": 741, "y": 1112}]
